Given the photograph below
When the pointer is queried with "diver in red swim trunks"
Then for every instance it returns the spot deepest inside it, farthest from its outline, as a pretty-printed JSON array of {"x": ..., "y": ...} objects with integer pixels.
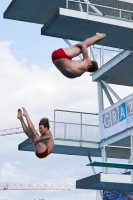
[
  {"x": 42, "y": 145},
  {"x": 62, "y": 58}
]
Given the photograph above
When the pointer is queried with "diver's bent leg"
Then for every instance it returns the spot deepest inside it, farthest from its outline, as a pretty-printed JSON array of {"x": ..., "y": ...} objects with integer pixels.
[
  {"x": 39, "y": 147},
  {"x": 34, "y": 147},
  {"x": 74, "y": 51},
  {"x": 25, "y": 128},
  {"x": 30, "y": 125}
]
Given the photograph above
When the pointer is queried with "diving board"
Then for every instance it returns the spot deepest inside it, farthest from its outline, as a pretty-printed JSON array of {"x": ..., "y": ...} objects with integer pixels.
[
  {"x": 68, "y": 147},
  {"x": 71, "y": 24},
  {"x": 118, "y": 70},
  {"x": 108, "y": 182},
  {"x": 76, "y": 25},
  {"x": 33, "y": 11},
  {"x": 74, "y": 147},
  {"x": 111, "y": 165}
]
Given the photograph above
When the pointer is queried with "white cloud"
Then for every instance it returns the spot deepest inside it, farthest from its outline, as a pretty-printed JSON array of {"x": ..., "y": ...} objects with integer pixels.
[
  {"x": 12, "y": 172},
  {"x": 39, "y": 90}
]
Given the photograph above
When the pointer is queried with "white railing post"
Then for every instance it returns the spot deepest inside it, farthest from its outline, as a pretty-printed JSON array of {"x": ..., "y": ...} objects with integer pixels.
[
  {"x": 81, "y": 127},
  {"x": 93, "y": 54},
  {"x": 67, "y": 4},
  {"x": 80, "y": 6},
  {"x": 120, "y": 13},
  {"x": 87, "y": 8},
  {"x": 54, "y": 124},
  {"x": 64, "y": 131},
  {"x": 102, "y": 55},
  {"x": 105, "y": 160}
]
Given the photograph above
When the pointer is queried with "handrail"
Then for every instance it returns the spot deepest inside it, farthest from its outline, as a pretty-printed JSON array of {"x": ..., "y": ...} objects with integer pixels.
[
  {"x": 76, "y": 124},
  {"x": 90, "y": 4},
  {"x": 109, "y": 7},
  {"x": 76, "y": 112},
  {"x": 80, "y": 124}
]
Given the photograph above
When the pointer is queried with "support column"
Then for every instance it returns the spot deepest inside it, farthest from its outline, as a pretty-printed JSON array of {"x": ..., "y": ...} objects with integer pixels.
[
  {"x": 100, "y": 96},
  {"x": 108, "y": 95},
  {"x": 131, "y": 156},
  {"x": 94, "y": 172},
  {"x": 93, "y": 169},
  {"x": 111, "y": 90},
  {"x": 101, "y": 107},
  {"x": 104, "y": 159}
]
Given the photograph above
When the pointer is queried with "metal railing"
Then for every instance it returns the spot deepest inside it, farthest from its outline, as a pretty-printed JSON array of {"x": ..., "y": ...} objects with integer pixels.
[
  {"x": 77, "y": 126},
  {"x": 103, "y": 54},
  {"x": 116, "y": 9},
  {"x": 68, "y": 125},
  {"x": 99, "y": 9}
]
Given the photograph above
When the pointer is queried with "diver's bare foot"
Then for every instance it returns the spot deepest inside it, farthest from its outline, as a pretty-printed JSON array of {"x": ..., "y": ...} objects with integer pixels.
[
  {"x": 19, "y": 115},
  {"x": 100, "y": 36},
  {"x": 25, "y": 114}
]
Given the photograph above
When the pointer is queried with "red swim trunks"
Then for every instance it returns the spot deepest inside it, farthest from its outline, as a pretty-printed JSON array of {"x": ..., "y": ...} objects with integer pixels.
[
  {"x": 58, "y": 54},
  {"x": 43, "y": 154}
]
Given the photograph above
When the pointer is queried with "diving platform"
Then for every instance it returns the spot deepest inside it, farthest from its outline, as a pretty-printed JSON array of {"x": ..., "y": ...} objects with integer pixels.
[
  {"x": 106, "y": 182},
  {"x": 33, "y": 11},
  {"x": 117, "y": 71},
  {"x": 76, "y": 25},
  {"x": 61, "y": 22},
  {"x": 119, "y": 139},
  {"x": 89, "y": 148},
  {"x": 85, "y": 141},
  {"x": 111, "y": 165},
  {"x": 68, "y": 147}
]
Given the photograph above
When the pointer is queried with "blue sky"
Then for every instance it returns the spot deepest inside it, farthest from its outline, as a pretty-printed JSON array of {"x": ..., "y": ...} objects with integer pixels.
[{"x": 28, "y": 78}]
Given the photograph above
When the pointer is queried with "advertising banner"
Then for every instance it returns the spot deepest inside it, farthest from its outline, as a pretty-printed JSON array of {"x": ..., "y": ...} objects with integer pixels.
[{"x": 116, "y": 118}]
